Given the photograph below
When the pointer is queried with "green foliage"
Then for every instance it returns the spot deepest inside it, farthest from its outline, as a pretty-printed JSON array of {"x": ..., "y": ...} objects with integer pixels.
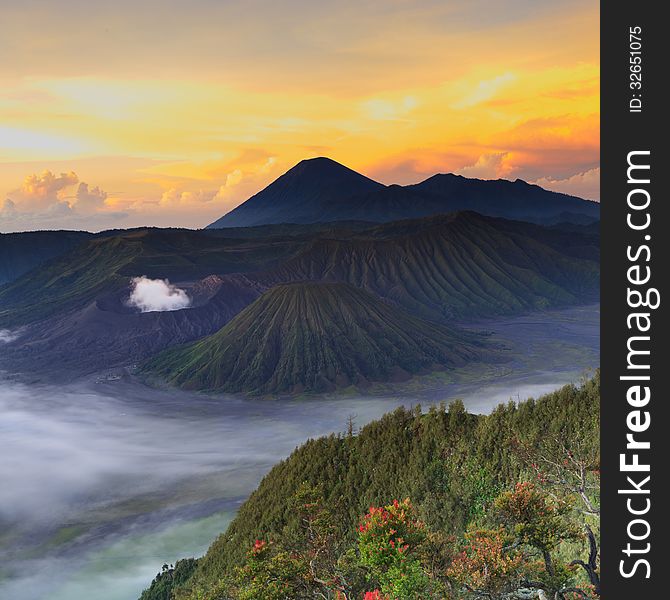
[
  {"x": 460, "y": 471},
  {"x": 485, "y": 564},
  {"x": 270, "y": 575},
  {"x": 534, "y": 518},
  {"x": 169, "y": 578},
  {"x": 540, "y": 522}
]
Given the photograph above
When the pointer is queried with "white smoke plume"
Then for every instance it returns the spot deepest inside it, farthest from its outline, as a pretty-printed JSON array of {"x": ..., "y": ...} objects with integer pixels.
[
  {"x": 152, "y": 295},
  {"x": 7, "y": 336}
]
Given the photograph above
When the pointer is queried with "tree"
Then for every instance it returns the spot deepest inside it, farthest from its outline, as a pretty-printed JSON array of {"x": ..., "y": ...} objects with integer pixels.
[
  {"x": 486, "y": 566},
  {"x": 269, "y": 574},
  {"x": 539, "y": 522},
  {"x": 568, "y": 467}
]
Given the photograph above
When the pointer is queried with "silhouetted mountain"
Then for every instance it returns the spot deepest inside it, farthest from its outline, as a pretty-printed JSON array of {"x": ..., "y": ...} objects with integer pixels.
[
  {"x": 321, "y": 190},
  {"x": 509, "y": 199},
  {"x": 314, "y": 337},
  {"x": 301, "y": 195}
]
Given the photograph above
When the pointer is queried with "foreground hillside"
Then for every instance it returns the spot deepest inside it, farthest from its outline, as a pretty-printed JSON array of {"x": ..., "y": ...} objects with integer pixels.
[
  {"x": 315, "y": 337},
  {"x": 499, "y": 504}
]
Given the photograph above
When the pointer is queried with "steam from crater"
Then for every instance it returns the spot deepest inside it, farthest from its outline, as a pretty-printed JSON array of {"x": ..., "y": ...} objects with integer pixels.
[
  {"x": 152, "y": 295},
  {"x": 7, "y": 336}
]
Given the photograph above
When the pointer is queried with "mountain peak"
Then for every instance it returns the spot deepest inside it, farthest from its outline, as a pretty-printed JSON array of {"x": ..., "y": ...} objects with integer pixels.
[
  {"x": 301, "y": 195},
  {"x": 315, "y": 336},
  {"x": 326, "y": 169},
  {"x": 321, "y": 189}
]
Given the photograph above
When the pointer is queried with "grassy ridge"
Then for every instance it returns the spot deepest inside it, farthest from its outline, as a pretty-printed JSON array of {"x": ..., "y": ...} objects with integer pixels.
[
  {"x": 315, "y": 337},
  {"x": 106, "y": 263},
  {"x": 456, "y": 266}
]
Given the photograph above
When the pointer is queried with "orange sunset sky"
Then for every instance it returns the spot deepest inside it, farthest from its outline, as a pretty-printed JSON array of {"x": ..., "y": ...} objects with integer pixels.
[{"x": 170, "y": 113}]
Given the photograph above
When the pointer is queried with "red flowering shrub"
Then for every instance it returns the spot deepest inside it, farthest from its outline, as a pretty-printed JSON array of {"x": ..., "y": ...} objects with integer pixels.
[
  {"x": 375, "y": 595},
  {"x": 388, "y": 533},
  {"x": 387, "y": 540},
  {"x": 270, "y": 574}
]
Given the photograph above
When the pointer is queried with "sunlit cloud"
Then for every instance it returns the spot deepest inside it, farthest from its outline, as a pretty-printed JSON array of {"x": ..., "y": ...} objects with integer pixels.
[
  {"x": 174, "y": 197},
  {"x": 584, "y": 185},
  {"x": 388, "y": 110},
  {"x": 485, "y": 90},
  {"x": 488, "y": 166},
  {"x": 56, "y": 201}
]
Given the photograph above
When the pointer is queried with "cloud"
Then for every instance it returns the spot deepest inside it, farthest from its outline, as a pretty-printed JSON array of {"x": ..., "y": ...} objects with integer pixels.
[
  {"x": 488, "y": 166},
  {"x": 389, "y": 110},
  {"x": 9, "y": 210},
  {"x": 584, "y": 185},
  {"x": 157, "y": 295},
  {"x": 176, "y": 197},
  {"x": 233, "y": 178},
  {"x": 485, "y": 90},
  {"x": 39, "y": 192},
  {"x": 89, "y": 199},
  {"x": 51, "y": 201}
]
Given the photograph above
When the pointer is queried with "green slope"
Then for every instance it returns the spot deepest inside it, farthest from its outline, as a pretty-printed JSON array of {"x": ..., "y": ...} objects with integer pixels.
[
  {"x": 457, "y": 266},
  {"x": 450, "y": 463},
  {"x": 451, "y": 266},
  {"x": 76, "y": 278},
  {"x": 314, "y": 337},
  {"x": 66, "y": 282}
]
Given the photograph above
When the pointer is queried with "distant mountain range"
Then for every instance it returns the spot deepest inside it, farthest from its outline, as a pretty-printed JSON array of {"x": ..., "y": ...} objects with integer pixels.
[
  {"x": 70, "y": 316},
  {"x": 322, "y": 190},
  {"x": 21, "y": 252}
]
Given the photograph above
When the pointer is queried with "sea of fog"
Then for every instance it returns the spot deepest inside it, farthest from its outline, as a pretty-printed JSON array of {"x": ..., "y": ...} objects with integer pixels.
[{"x": 102, "y": 483}]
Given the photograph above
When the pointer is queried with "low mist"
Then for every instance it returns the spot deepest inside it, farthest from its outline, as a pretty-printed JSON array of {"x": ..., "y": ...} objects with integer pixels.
[
  {"x": 103, "y": 483},
  {"x": 157, "y": 295}
]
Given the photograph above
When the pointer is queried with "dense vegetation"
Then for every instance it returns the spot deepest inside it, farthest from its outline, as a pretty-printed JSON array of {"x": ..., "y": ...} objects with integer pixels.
[
  {"x": 498, "y": 506},
  {"x": 315, "y": 337}
]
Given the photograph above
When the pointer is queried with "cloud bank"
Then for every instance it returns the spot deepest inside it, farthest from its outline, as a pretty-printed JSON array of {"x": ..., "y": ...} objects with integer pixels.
[
  {"x": 56, "y": 201},
  {"x": 157, "y": 295},
  {"x": 586, "y": 184}
]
